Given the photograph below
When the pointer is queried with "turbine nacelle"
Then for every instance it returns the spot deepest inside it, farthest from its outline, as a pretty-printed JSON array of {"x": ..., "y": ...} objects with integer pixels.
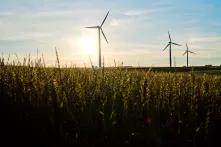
[
  {"x": 170, "y": 43},
  {"x": 188, "y": 51}
]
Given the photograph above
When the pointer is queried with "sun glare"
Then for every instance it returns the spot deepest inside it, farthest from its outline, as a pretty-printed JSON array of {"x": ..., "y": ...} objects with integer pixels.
[{"x": 88, "y": 45}]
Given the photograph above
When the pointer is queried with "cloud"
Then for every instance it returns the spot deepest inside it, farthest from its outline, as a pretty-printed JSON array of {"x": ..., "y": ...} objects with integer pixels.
[
  {"x": 137, "y": 12},
  {"x": 6, "y": 13},
  {"x": 206, "y": 39},
  {"x": 19, "y": 36},
  {"x": 148, "y": 11},
  {"x": 132, "y": 52},
  {"x": 114, "y": 22}
]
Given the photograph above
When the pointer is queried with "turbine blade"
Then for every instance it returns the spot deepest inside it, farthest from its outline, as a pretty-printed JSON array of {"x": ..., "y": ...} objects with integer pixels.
[
  {"x": 176, "y": 44},
  {"x": 105, "y": 18},
  {"x": 104, "y": 35},
  {"x": 187, "y": 47},
  {"x": 192, "y": 52},
  {"x": 169, "y": 36},
  {"x": 185, "y": 53},
  {"x": 166, "y": 47},
  {"x": 93, "y": 27}
]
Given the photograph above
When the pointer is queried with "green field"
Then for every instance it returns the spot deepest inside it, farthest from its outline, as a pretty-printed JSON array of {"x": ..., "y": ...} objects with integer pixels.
[{"x": 83, "y": 106}]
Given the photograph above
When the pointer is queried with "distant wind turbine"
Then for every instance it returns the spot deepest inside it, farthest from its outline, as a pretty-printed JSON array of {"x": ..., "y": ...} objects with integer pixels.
[
  {"x": 170, "y": 45},
  {"x": 187, "y": 55},
  {"x": 100, "y": 30}
]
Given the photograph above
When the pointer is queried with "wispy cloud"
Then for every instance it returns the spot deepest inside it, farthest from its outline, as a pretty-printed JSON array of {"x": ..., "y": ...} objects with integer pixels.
[
  {"x": 138, "y": 12},
  {"x": 208, "y": 39},
  {"x": 114, "y": 22},
  {"x": 25, "y": 36}
]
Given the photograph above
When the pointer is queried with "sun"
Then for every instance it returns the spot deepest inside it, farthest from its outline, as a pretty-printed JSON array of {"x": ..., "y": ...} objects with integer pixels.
[{"x": 88, "y": 45}]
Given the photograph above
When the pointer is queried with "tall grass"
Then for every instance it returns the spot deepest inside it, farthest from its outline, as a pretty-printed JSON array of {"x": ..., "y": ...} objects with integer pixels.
[{"x": 113, "y": 106}]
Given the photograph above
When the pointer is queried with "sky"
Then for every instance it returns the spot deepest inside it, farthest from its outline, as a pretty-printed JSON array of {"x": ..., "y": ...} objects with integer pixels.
[{"x": 136, "y": 31}]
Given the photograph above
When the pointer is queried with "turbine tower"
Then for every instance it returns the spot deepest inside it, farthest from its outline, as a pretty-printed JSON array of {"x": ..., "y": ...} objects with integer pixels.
[
  {"x": 100, "y": 30},
  {"x": 170, "y": 47},
  {"x": 187, "y": 55}
]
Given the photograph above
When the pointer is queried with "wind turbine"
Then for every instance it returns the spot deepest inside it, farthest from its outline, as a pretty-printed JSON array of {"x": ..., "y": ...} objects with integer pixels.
[
  {"x": 100, "y": 30},
  {"x": 187, "y": 55},
  {"x": 170, "y": 45}
]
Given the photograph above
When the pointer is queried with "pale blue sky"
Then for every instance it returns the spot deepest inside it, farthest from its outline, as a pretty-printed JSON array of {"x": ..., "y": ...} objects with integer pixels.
[{"x": 136, "y": 30}]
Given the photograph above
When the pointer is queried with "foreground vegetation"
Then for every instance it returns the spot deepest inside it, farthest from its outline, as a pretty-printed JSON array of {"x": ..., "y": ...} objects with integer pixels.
[{"x": 71, "y": 106}]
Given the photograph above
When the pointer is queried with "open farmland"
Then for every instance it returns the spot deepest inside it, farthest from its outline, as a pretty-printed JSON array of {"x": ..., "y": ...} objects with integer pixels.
[{"x": 72, "y": 106}]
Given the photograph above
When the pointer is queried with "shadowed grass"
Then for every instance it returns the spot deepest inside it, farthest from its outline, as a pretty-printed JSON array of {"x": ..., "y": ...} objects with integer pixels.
[{"x": 84, "y": 106}]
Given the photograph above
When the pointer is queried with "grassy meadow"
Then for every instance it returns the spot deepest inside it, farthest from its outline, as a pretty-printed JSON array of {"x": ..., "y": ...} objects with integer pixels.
[{"x": 83, "y": 106}]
